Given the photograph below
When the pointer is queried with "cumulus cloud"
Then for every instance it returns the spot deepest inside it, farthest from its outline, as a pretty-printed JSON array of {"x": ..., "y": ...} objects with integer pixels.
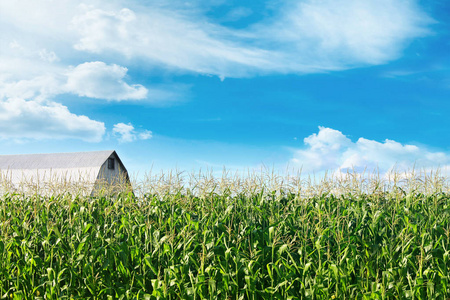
[
  {"x": 126, "y": 133},
  {"x": 21, "y": 119},
  {"x": 90, "y": 79},
  {"x": 303, "y": 36},
  {"x": 99, "y": 80},
  {"x": 330, "y": 149},
  {"x": 39, "y": 87},
  {"x": 27, "y": 113}
]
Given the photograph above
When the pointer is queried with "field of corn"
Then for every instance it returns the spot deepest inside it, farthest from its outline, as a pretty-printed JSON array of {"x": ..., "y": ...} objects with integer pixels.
[{"x": 252, "y": 237}]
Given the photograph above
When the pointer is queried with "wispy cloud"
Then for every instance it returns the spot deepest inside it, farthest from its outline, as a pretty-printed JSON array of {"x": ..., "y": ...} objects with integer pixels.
[
  {"x": 307, "y": 36},
  {"x": 126, "y": 133},
  {"x": 86, "y": 50},
  {"x": 330, "y": 149},
  {"x": 341, "y": 34},
  {"x": 168, "y": 37},
  {"x": 302, "y": 37},
  {"x": 237, "y": 13}
]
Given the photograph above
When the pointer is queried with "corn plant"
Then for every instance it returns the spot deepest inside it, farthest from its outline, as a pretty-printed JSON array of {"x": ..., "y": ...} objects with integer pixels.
[{"x": 253, "y": 237}]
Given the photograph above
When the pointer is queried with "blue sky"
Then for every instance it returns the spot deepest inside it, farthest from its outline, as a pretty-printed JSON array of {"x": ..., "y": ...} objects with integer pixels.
[{"x": 312, "y": 84}]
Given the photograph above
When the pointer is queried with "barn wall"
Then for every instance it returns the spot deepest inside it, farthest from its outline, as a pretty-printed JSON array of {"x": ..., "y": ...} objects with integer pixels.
[
  {"x": 112, "y": 176},
  {"x": 116, "y": 179},
  {"x": 87, "y": 171},
  {"x": 49, "y": 181}
]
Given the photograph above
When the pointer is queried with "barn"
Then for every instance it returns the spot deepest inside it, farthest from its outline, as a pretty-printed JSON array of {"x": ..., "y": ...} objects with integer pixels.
[{"x": 88, "y": 173}]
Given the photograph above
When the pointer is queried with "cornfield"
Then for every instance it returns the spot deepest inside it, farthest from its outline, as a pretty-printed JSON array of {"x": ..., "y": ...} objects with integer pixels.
[{"x": 261, "y": 236}]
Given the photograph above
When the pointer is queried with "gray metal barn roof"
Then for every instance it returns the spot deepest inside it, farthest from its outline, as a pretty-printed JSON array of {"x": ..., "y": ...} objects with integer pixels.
[{"x": 54, "y": 160}]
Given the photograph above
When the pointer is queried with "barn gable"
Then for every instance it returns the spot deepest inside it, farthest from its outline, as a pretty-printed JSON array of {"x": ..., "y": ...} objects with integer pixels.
[{"x": 87, "y": 171}]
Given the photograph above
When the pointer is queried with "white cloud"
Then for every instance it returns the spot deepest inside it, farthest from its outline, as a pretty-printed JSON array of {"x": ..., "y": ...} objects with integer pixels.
[
  {"x": 126, "y": 133},
  {"x": 307, "y": 36},
  {"x": 91, "y": 79},
  {"x": 145, "y": 135},
  {"x": 23, "y": 59},
  {"x": 303, "y": 36},
  {"x": 16, "y": 46},
  {"x": 21, "y": 119},
  {"x": 27, "y": 113},
  {"x": 39, "y": 87},
  {"x": 38, "y": 20},
  {"x": 100, "y": 29},
  {"x": 330, "y": 149},
  {"x": 168, "y": 37},
  {"x": 42, "y": 45},
  {"x": 99, "y": 80},
  {"x": 338, "y": 34},
  {"x": 49, "y": 56}
]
